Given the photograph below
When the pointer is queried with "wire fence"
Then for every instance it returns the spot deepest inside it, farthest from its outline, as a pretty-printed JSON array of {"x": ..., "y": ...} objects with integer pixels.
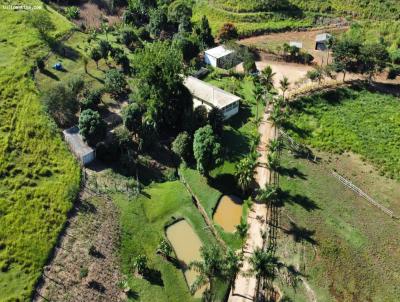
[{"x": 360, "y": 192}]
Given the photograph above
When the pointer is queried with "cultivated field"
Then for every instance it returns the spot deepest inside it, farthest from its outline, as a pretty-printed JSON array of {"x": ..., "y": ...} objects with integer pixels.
[{"x": 40, "y": 179}]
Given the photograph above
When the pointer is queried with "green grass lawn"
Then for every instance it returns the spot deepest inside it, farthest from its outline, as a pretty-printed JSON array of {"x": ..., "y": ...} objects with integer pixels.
[
  {"x": 347, "y": 249},
  {"x": 39, "y": 178},
  {"x": 248, "y": 23},
  {"x": 351, "y": 120},
  {"x": 143, "y": 222}
]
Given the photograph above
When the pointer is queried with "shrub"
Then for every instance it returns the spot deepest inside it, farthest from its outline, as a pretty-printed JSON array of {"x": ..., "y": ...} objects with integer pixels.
[
  {"x": 115, "y": 82},
  {"x": 228, "y": 32},
  {"x": 132, "y": 116},
  {"x": 92, "y": 99},
  {"x": 91, "y": 126},
  {"x": 182, "y": 146},
  {"x": 72, "y": 12}
]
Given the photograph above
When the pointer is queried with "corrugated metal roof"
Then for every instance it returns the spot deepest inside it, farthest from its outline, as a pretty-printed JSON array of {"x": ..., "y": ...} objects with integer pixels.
[
  {"x": 78, "y": 146},
  {"x": 322, "y": 37},
  {"x": 209, "y": 93},
  {"x": 218, "y": 52}
]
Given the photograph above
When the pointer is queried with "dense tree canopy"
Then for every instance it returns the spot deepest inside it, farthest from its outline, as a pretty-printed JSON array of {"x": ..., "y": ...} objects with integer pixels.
[
  {"x": 182, "y": 146},
  {"x": 91, "y": 126},
  {"x": 115, "y": 82},
  {"x": 159, "y": 75},
  {"x": 207, "y": 150},
  {"x": 132, "y": 115}
]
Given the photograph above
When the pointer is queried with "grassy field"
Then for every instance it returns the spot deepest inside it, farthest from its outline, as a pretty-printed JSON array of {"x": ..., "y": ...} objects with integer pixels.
[
  {"x": 363, "y": 122},
  {"x": 345, "y": 247},
  {"x": 39, "y": 177},
  {"x": 142, "y": 226},
  {"x": 249, "y": 23}
]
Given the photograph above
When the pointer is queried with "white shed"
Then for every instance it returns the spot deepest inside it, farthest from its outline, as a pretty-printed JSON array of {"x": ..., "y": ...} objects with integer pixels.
[
  {"x": 219, "y": 57},
  {"x": 297, "y": 44},
  {"x": 321, "y": 41},
  {"x": 83, "y": 152},
  {"x": 211, "y": 96}
]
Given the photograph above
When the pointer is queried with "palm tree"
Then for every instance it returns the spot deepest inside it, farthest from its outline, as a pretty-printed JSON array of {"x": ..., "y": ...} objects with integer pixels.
[
  {"x": 263, "y": 264},
  {"x": 208, "y": 269},
  {"x": 245, "y": 172},
  {"x": 233, "y": 263},
  {"x": 273, "y": 161},
  {"x": 242, "y": 228},
  {"x": 284, "y": 86},
  {"x": 164, "y": 248},
  {"x": 258, "y": 95},
  {"x": 267, "y": 195},
  {"x": 275, "y": 145},
  {"x": 267, "y": 78}
]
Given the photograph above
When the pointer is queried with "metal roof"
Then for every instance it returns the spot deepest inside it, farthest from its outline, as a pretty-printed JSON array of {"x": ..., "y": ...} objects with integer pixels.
[
  {"x": 75, "y": 141},
  {"x": 295, "y": 43},
  {"x": 322, "y": 37},
  {"x": 210, "y": 94},
  {"x": 218, "y": 52}
]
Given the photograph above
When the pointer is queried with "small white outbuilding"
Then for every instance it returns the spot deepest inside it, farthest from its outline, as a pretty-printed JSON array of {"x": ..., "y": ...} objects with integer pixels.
[
  {"x": 82, "y": 151},
  {"x": 210, "y": 96},
  {"x": 220, "y": 57}
]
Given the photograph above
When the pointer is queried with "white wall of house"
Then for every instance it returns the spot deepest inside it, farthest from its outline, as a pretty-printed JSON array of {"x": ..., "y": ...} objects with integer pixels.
[
  {"x": 210, "y": 60},
  {"x": 230, "y": 110}
]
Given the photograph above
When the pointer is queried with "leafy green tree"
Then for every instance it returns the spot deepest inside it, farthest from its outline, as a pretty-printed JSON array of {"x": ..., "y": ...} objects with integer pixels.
[
  {"x": 159, "y": 73},
  {"x": 228, "y": 32},
  {"x": 158, "y": 21},
  {"x": 92, "y": 99},
  {"x": 216, "y": 120},
  {"x": 258, "y": 93},
  {"x": 140, "y": 264},
  {"x": 182, "y": 146},
  {"x": 61, "y": 103},
  {"x": 129, "y": 38},
  {"x": 95, "y": 55},
  {"x": 209, "y": 268},
  {"x": 374, "y": 58},
  {"x": 207, "y": 150},
  {"x": 185, "y": 25},
  {"x": 91, "y": 126},
  {"x": 249, "y": 64},
  {"x": 178, "y": 10},
  {"x": 200, "y": 115},
  {"x": 115, "y": 82},
  {"x": 104, "y": 49},
  {"x": 188, "y": 46},
  {"x": 346, "y": 53},
  {"x": 315, "y": 75},
  {"x": 40, "y": 20},
  {"x": 72, "y": 12},
  {"x": 245, "y": 173},
  {"x": 132, "y": 116},
  {"x": 164, "y": 248},
  {"x": 204, "y": 34}
]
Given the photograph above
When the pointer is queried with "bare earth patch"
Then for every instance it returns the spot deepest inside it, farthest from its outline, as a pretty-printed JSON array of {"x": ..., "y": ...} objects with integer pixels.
[{"x": 85, "y": 266}]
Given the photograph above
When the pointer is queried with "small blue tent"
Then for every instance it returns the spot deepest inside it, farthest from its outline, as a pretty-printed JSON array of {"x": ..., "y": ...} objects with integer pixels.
[{"x": 57, "y": 66}]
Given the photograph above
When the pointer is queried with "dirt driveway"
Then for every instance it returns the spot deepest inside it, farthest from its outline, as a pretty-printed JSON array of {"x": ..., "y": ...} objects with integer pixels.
[{"x": 294, "y": 72}]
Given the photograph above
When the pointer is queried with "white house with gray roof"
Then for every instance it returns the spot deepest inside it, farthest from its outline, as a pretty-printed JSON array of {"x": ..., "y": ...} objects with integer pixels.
[
  {"x": 82, "y": 151},
  {"x": 210, "y": 96},
  {"x": 220, "y": 57}
]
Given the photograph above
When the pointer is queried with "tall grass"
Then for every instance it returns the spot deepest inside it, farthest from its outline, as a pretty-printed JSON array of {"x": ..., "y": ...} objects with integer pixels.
[
  {"x": 363, "y": 122},
  {"x": 39, "y": 178}
]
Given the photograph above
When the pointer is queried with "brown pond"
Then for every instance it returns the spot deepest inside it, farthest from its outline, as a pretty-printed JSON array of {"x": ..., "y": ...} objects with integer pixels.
[
  {"x": 229, "y": 212},
  {"x": 186, "y": 245}
]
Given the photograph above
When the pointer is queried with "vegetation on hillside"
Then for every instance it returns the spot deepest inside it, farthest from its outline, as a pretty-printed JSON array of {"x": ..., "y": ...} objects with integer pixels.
[
  {"x": 363, "y": 122},
  {"x": 40, "y": 178}
]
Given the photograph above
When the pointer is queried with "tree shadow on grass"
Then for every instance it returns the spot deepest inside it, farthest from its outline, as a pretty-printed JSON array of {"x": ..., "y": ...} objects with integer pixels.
[
  {"x": 303, "y": 133},
  {"x": 133, "y": 295},
  {"x": 302, "y": 200},
  {"x": 153, "y": 276},
  {"x": 225, "y": 183},
  {"x": 292, "y": 172},
  {"x": 50, "y": 74},
  {"x": 241, "y": 118},
  {"x": 301, "y": 234},
  {"x": 235, "y": 144},
  {"x": 65, "y": 51}
]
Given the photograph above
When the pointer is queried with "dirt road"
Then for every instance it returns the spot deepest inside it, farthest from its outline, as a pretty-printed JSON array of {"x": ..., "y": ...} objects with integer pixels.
[{"x": 245, "y": 286}]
